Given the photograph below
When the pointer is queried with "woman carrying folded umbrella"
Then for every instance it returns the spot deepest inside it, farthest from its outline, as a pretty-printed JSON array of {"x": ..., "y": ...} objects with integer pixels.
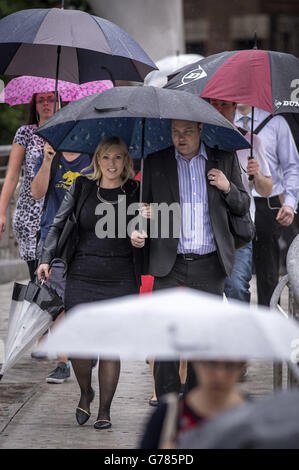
[
  {"x": 26, "y": 147},
  {"x": 104, "y": 264}
]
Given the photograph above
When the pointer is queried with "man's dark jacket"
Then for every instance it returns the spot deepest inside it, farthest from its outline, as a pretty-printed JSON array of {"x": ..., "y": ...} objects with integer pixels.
[{"x": 161, "y": 185}]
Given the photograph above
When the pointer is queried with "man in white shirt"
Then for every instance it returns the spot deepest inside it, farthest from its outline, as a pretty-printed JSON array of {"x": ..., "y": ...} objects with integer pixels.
[
  {"x": 237, "y": 285},
  {"x": 277, "y": 211}
]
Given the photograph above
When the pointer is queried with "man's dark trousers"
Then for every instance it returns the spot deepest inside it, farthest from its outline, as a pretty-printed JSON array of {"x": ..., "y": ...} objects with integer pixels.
[
  {"x": 204, "y": 274},
  {"x": 266, "y": 252}
]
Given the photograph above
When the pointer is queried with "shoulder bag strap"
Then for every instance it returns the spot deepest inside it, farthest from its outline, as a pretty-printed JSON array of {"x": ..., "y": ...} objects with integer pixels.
[
  {"x": 262, "y": 124},
  {"x": 84, "y": 190}
]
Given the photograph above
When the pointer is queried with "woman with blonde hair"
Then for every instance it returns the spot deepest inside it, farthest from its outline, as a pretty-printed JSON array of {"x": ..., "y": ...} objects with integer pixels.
[{"x": 104, "y": 264}]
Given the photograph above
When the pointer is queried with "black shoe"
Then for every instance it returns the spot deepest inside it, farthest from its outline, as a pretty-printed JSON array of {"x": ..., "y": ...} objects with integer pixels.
[
  {"x": 60, "y": 374},
  {"x": 83, "y": 415},
  {"x": 102, "y": 424},
  {"x": 152, "y": 402}
]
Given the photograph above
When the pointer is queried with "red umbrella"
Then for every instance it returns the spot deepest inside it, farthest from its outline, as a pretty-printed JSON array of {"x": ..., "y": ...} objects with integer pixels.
[{"x": 265, "y": 79}]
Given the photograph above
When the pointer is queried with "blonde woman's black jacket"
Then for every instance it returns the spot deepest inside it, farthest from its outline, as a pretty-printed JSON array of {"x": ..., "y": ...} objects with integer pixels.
[{"x": 80, "y": 191}]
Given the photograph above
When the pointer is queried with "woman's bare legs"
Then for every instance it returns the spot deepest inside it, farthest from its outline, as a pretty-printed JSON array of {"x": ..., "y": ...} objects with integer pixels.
[{"x": 182, "y": 372}]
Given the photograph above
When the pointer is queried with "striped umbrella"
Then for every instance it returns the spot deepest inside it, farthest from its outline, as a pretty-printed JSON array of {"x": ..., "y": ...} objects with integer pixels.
[
  {"x": 69, "y": 45},
  {"x": 90, "y": 48},
  {"x": 264, "y": 79}
]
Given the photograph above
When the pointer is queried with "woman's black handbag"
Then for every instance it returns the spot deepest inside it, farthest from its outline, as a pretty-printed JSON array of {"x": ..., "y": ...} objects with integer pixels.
[
  {"x": 242, "y": 228},
  {"x": 68, "y": 239}
]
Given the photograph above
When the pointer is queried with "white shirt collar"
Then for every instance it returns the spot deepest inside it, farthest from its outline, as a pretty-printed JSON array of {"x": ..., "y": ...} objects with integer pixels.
[{"x": 259, "y": 115}]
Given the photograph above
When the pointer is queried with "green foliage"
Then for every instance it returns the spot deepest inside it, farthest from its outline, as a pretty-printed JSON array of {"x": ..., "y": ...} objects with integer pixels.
[{"x": 13, "y": 117}]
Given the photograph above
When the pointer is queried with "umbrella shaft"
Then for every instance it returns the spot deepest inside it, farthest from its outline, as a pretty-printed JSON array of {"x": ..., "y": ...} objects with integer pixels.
[
  {"x": 110, "y": 74},
  {"x": 141, "y": 178},
  {"x": 56, "y": 78},
  {"x": 251, "y": 177},
  {"x": 142, "y": 157}
]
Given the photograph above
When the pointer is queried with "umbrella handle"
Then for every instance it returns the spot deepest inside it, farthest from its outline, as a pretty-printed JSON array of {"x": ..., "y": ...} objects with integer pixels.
[
  {"x": 251, "y": 177},
  {"x": 59, "y": 260}
]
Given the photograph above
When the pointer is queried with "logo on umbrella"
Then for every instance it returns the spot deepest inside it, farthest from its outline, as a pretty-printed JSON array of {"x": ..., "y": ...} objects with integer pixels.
[
  {"x": 277, "y": 104},
  {"x": 192, "y": 76}
]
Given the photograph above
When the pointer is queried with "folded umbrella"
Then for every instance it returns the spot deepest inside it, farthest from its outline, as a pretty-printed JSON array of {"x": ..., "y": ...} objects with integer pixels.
[
  {"x": 16, "y": 307},
  {"x": 33, "y": 308}
]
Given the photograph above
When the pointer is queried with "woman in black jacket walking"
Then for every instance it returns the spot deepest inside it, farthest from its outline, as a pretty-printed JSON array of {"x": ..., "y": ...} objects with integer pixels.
[{"x": 104, "y": 265}]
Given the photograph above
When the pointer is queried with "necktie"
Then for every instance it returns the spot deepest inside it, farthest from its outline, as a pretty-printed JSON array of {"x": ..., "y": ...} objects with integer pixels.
[{"x": 246, "y": 120}]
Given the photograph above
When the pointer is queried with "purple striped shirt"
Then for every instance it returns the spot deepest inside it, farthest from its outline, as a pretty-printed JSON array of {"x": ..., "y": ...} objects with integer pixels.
[{"x": 196, "y": 228}]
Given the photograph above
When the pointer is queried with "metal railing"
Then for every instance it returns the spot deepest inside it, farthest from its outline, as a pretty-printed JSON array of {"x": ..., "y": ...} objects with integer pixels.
[{"x": 291, "y": 281}]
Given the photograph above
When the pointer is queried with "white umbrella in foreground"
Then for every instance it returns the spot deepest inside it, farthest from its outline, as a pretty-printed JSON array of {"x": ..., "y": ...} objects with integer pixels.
[{"x": 174, "y": 323}]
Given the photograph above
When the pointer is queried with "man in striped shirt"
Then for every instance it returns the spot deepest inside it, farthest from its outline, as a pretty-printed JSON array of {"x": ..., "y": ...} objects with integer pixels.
[{"x": 199, "y": 184}]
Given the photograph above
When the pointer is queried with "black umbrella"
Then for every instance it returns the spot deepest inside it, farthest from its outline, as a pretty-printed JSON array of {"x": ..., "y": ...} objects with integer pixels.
[
  {"x": 82, "y": 124},
  {"x": 269, "y": 423},
  {"x": 70, "y": 45}
]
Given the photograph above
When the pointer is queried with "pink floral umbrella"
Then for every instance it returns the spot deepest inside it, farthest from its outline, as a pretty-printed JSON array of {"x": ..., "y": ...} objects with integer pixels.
[{"x": 21, "y": 89}]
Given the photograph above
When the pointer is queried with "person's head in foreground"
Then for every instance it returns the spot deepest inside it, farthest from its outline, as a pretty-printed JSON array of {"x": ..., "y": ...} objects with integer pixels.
[{"x": 218, "y": 381}]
